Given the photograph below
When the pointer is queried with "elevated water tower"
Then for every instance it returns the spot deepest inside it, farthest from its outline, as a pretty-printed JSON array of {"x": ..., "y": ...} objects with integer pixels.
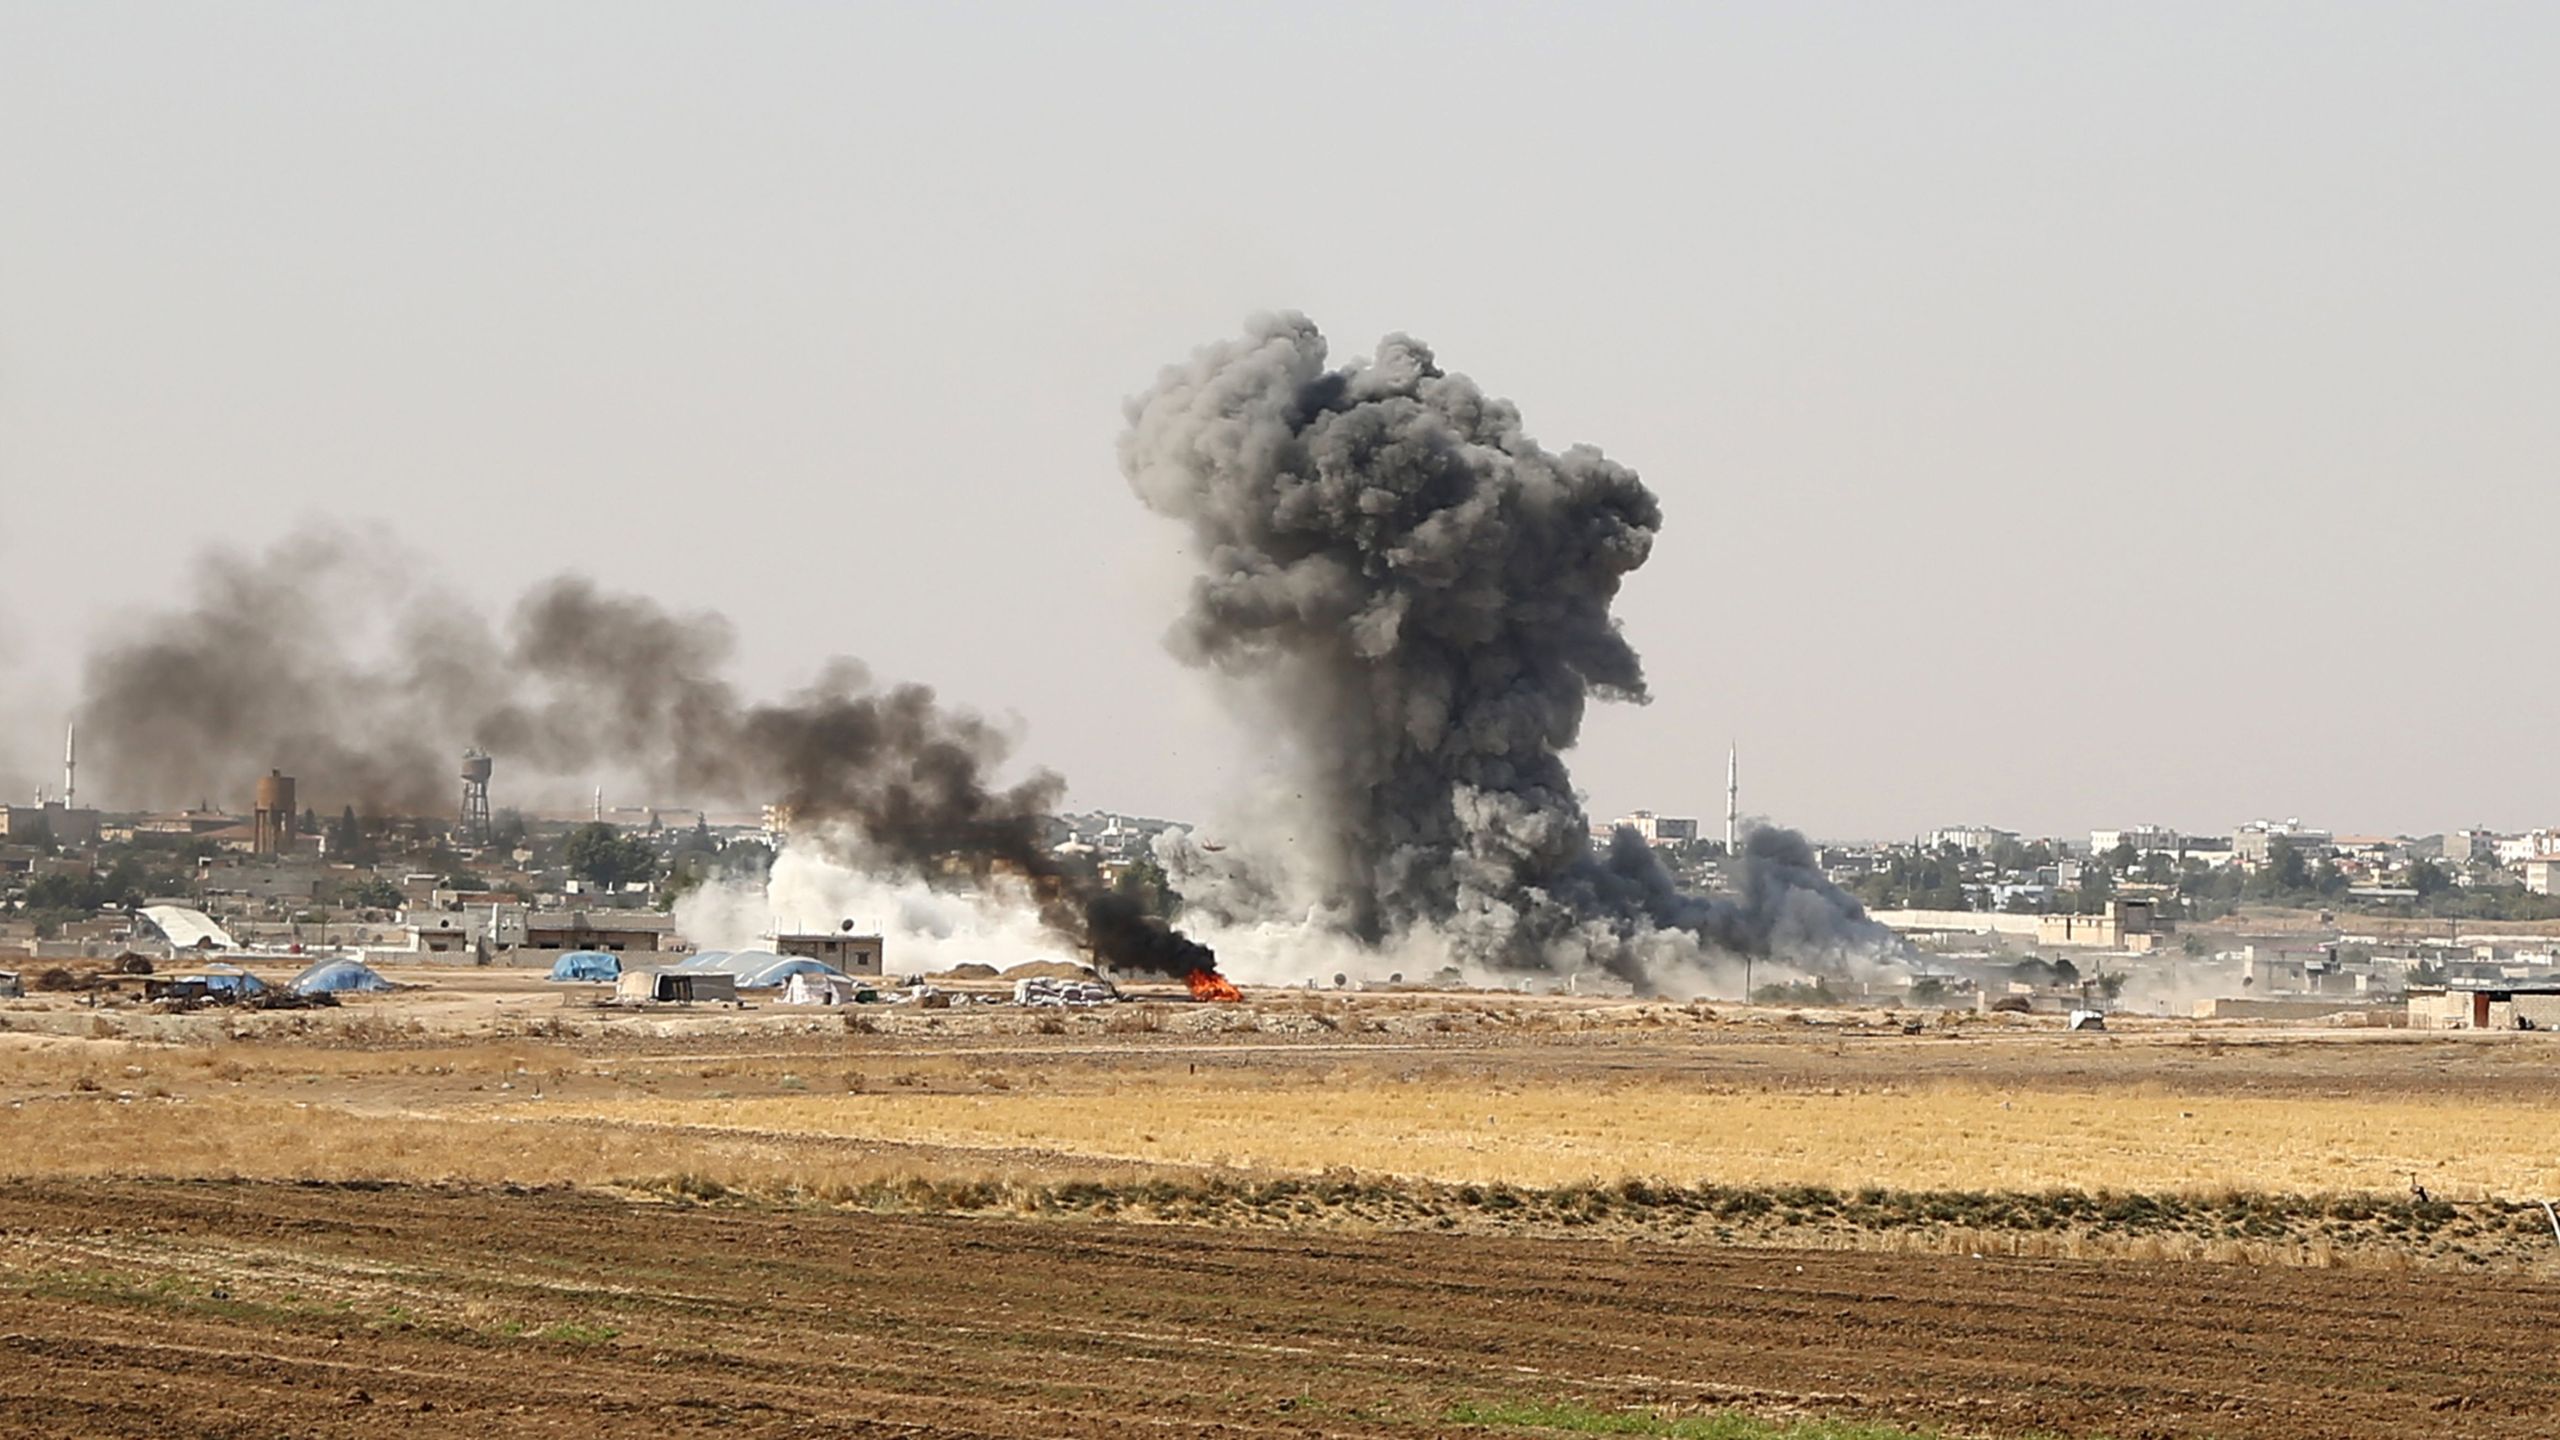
[
  {"x": 475, "y": 797},
  {"x": 271, "y": 817}
]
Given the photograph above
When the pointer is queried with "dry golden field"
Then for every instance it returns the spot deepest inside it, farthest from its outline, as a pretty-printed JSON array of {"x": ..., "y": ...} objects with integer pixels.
[
  {"x": 1407, "y": 1091},
  {"x": 485, "y": 1211},
  {"x": 1566, "y": 1132}
]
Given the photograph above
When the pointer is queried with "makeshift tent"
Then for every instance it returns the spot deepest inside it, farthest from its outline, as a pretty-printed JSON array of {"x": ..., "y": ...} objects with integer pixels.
[
  {"x": 807, "y": 989},
  {"x": 187, "y": 928},
  {"x": 703, "y": 960},
  {"x": 674, "y": 987},
  {"x": 340, "y": 977},
  {"x": 585, "y": 965},
  {"x": 762, "y": 970},
  {"x": 226, "y": 980}
]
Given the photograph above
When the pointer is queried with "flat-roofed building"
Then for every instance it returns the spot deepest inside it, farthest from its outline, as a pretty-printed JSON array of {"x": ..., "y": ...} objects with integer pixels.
[
  {"x": 613, "y": 931},
  {"x": 853, "y": 954},
  {"x": 1659, "y": 829},
  {"x": 51, "y": 820}
]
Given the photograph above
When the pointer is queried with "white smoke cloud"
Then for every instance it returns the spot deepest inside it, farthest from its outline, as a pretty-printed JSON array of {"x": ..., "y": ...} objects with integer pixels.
[{"x": 923, "y": 929}]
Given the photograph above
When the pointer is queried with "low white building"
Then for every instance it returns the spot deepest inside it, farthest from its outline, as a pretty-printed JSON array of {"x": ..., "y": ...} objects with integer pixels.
[
  {"x": 2145, "y": 840},
  {"x": 2252, "y": 843},
  {"x": 1659, "y": 829},
  {"x": 2531, "y": 845}
]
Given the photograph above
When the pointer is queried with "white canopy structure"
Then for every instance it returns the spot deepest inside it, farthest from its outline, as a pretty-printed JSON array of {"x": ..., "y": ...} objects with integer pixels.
[{"x": 188, "y": 928}]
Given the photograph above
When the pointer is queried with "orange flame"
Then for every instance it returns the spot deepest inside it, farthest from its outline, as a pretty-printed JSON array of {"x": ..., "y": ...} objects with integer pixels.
[{"x": 1210, "y": 986}]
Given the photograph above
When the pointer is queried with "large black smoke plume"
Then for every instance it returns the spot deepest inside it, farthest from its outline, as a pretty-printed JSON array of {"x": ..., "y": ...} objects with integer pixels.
[
  {"x": 268, "y": 665},
  {"x": 1418, "y": 596}
]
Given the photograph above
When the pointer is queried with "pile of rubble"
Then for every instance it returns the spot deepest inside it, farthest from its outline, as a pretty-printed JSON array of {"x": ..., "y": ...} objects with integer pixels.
[{"x": 1043, "y": 990}]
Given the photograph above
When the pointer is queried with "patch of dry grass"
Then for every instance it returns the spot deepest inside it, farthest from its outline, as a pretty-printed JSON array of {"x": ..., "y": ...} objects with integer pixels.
[
  {"x": 1949, "y": 1137},
  {"x": 465, "y": 1111},
  {"x": 227, "y": 1137},
  {"x": 261, "y": 1139}
]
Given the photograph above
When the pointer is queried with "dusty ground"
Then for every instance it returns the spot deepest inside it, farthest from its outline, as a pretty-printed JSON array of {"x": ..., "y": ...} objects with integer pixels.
[
  {"x": 204, "y": 1309},
  {"x": 1444, "y": 1088},
  {"x": 1308, "y": 1215}
]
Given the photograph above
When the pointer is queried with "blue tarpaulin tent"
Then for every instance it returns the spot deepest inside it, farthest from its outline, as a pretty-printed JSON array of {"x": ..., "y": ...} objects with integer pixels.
[
  {"x": 586, "y": 965},
  {"x": 226, "y": 980},
  {"x": 339, "y": 977}
]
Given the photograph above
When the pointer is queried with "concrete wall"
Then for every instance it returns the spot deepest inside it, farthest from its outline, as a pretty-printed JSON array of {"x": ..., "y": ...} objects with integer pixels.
[
  {"x": 2469, "y": 1010},
  {"x": 2542, "y": 1011},
  {"x": 1970, "y": 922},
  {"x": 2232, "y": 1008}
]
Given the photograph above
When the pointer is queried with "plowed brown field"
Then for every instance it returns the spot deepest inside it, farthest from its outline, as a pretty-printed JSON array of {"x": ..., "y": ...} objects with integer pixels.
[{"x": 159, "y": 1309}]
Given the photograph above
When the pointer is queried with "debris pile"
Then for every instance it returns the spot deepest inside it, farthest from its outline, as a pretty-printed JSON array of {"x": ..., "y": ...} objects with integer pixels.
[{"x": 1041, "y": 990}]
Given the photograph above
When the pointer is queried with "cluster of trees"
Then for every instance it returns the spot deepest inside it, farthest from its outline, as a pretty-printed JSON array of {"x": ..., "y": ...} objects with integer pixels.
[
  {"x": 1144, "y": 881},
  {"x": 127, "y": 876},
  {"x": 373, "y": 892},
  {"x": 1799, "y": 993},
  {"x": 1938, "y": 880},
  {"x": 1934, "y": 880},
  {"x": 700, "y": 859},
  {"x": 2290, "y": 877},
  {"x": 608, "y": 859},
  {"x": 2061, "y": 973}
]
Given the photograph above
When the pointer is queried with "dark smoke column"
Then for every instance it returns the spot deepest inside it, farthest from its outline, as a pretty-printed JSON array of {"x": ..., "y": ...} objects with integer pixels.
[
  {"x": 300, "y": 653},
  {"x": 1419, "y": 596}
]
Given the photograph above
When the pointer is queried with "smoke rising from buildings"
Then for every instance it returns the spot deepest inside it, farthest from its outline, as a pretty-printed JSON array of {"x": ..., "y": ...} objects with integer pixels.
[
  {"x": 1418, "y": 596},
  {"x": 1415, "y": 593},
  {"x": 269, "y": 663}
]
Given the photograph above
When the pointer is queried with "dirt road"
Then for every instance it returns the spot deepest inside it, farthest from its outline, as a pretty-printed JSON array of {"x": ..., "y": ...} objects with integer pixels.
[{"x": 264, "y": 1310}]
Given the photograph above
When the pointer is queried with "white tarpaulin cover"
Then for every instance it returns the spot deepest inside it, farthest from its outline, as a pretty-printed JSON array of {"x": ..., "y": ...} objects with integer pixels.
[
  {"x": 187, "y": 927},
  {"x": 806, "y": 988}
]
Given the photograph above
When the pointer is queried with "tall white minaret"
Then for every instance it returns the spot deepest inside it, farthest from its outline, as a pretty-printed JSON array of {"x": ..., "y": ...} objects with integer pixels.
[
  {"x": 70, "y": 764},
  {"x": 1732, "y": 798}
]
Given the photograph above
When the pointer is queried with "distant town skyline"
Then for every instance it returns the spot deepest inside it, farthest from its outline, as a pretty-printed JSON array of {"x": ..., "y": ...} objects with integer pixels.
[{"x": 2063, "y": 416}]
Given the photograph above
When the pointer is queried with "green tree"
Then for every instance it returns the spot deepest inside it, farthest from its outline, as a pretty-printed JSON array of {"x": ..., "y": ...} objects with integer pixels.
[
  {"x": 606, "y": 858},
  {"x": 346, "y": 835},
  {"x": 1144, "y": 881},
  {"x": 374, "y": 892},
  {"x": 2011, "y": 856},
  {"x": 120, "y": 887},
  {"x": 506, "y": 829},
  {"x": 2096, "y": 887},
  {"x": 2285, "y": 864}
]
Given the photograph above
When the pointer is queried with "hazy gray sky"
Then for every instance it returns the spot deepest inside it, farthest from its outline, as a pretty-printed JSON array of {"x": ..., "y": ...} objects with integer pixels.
[{"x": 2065, "y": 414}]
